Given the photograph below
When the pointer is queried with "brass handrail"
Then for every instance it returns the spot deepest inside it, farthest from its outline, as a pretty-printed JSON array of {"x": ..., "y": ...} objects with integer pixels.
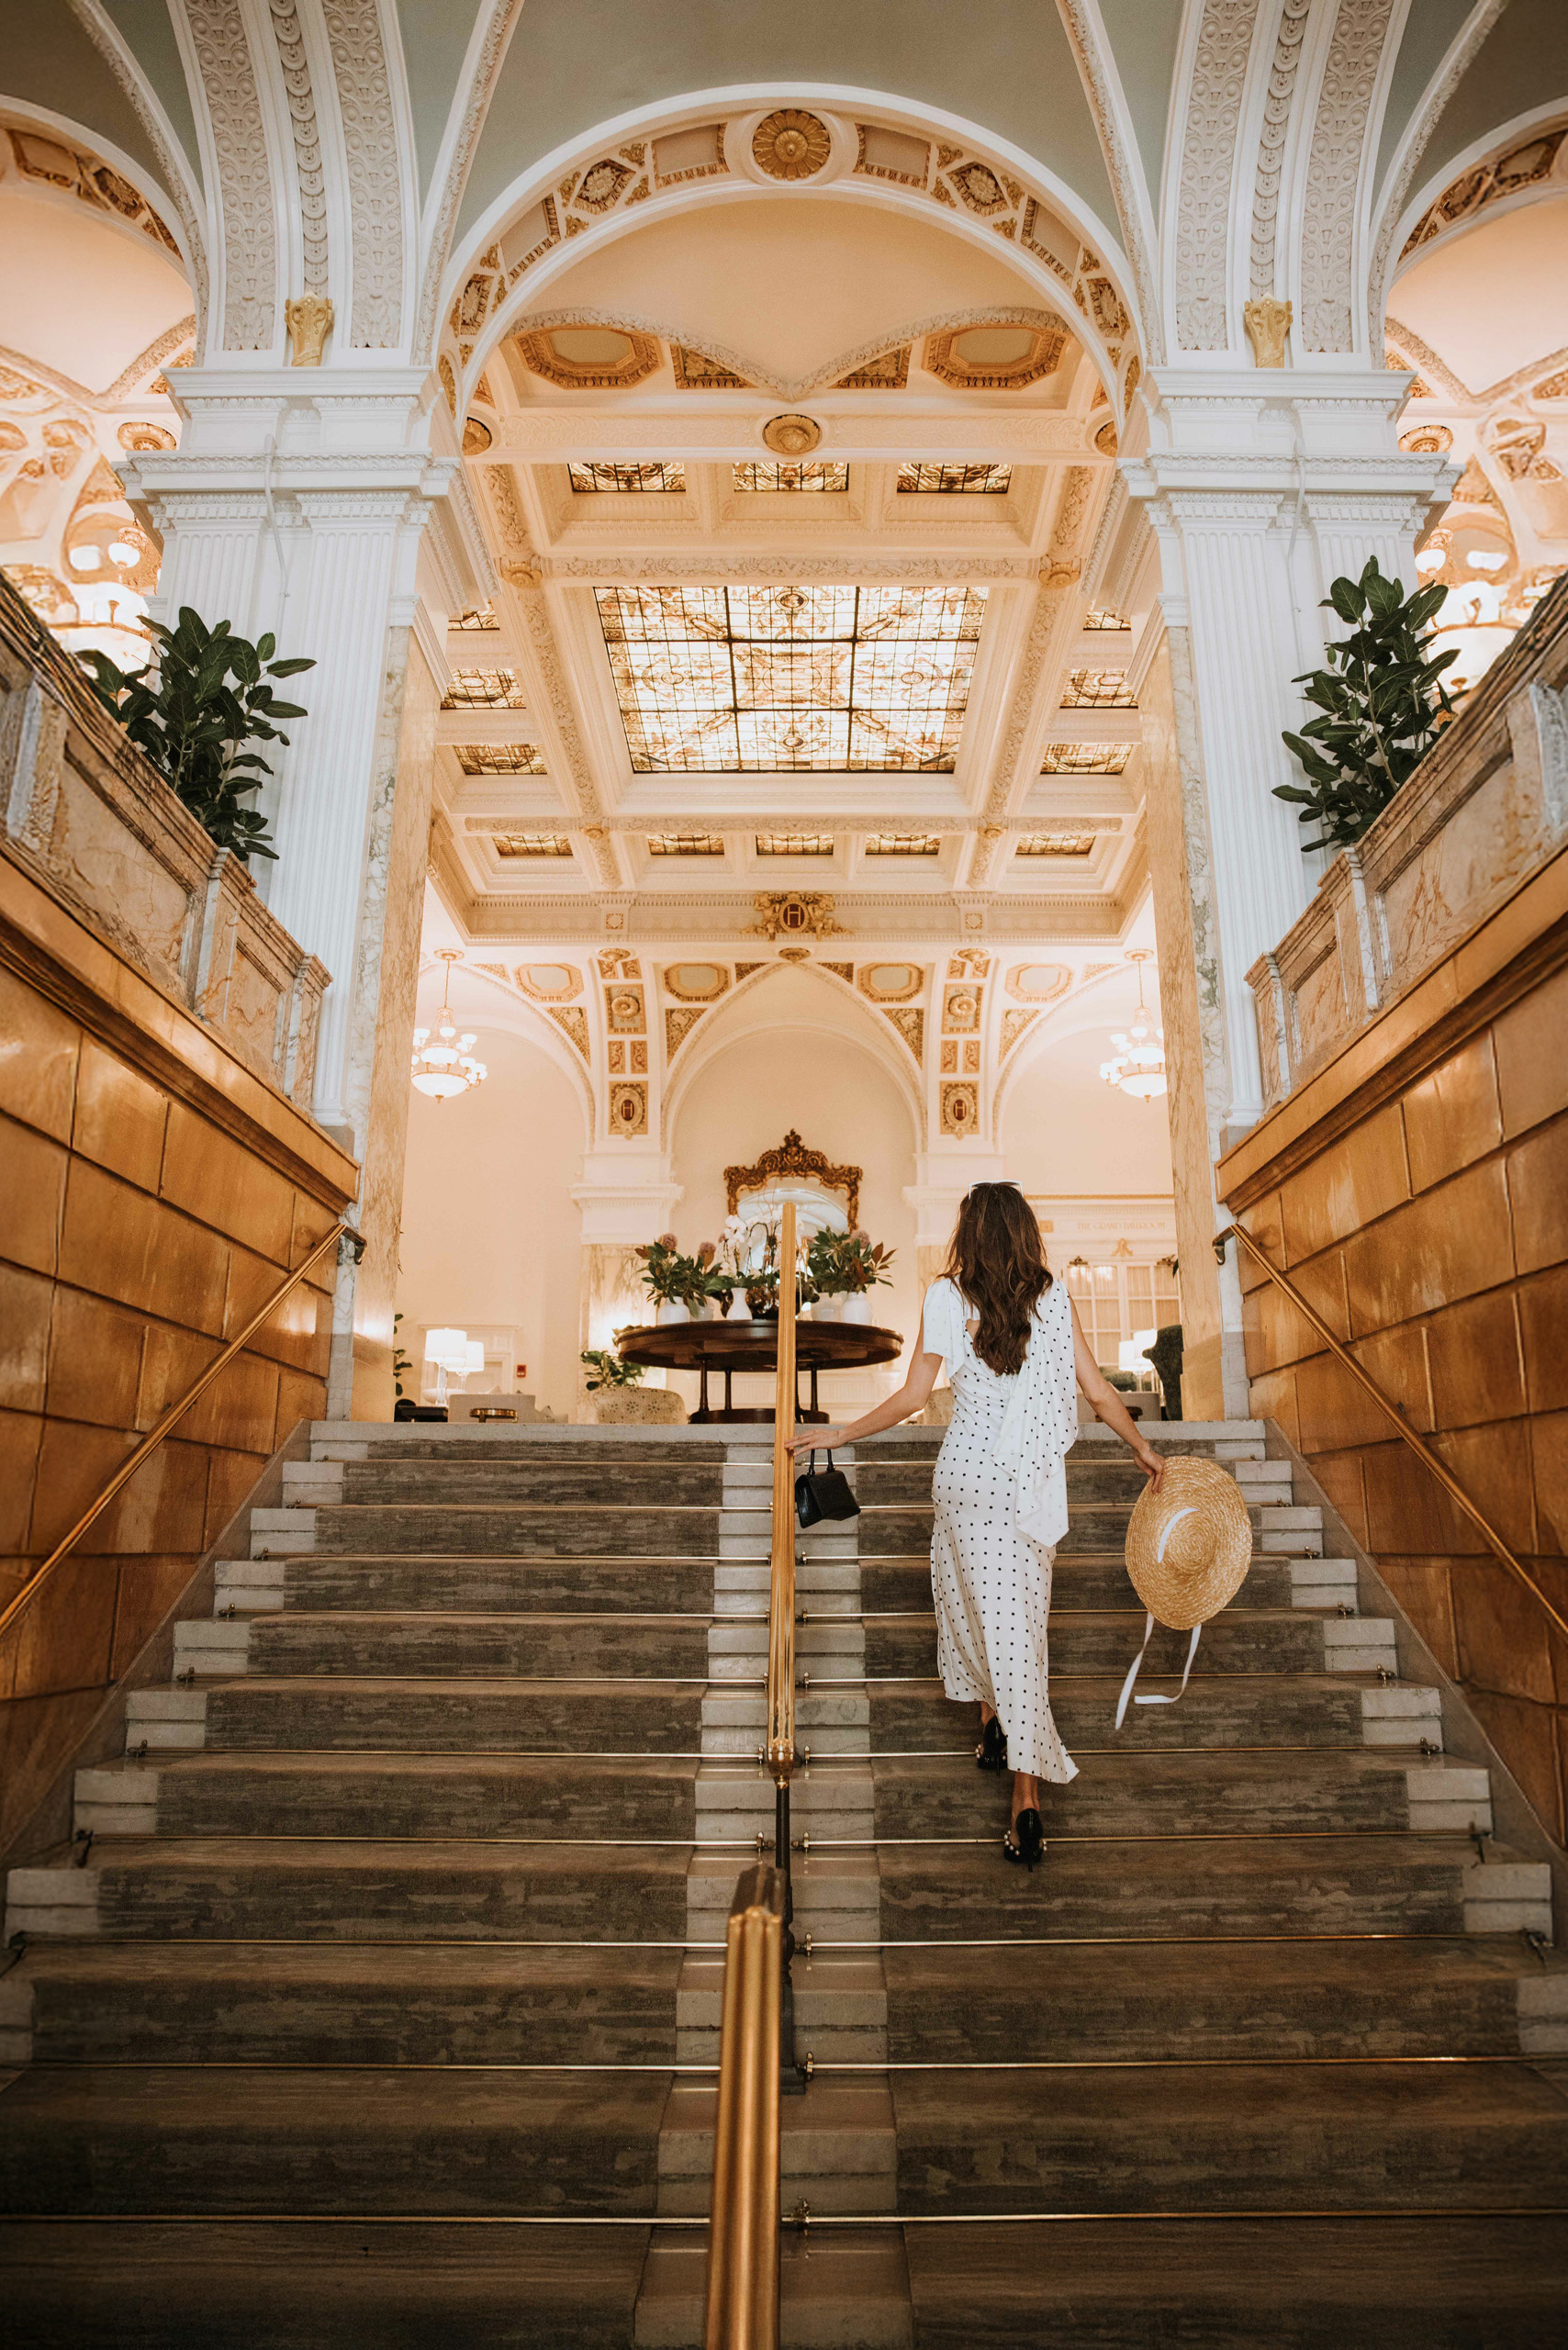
[
  {"x": 742, "y": 2237},
  {"x": 171, "y": 1418},
  {"x": 781, "y": 1576},
  {"x": 1417, "y": 1444}
]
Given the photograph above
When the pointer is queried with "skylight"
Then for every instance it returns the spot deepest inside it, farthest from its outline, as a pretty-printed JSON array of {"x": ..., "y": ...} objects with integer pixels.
[
  {"x": 500, "y": 759},
  {"x": 794, "y": 843},
  {"x": 968, "y": 481},
  {"x": 1098, "y": 690},
  {"x": 686, "y": 844},
  {"x": 756, "y": 681},
  {"x": 484, "y": 689},
  {"x": 810, "y": 475},
  {"x": 1085, "y": 758},
  {"x": 532, "y": 845},
  {"x": 1055, "y": 844},
  {"x": 662, "y": 476}
]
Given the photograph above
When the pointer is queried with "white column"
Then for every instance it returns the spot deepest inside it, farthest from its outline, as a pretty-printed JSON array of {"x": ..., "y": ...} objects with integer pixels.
[{"x": 1262, "y": 486}]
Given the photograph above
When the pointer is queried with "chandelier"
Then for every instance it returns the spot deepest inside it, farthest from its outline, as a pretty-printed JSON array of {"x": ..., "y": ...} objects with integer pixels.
[
  {"x": 1138, "y": 1064},
  {"x": 446, "y": 1066}
]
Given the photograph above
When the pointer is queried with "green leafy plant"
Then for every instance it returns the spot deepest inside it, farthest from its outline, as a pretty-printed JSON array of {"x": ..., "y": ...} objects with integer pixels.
[
  {"x": 1382, "y": 702},
  {"x": 212, "y": 696},
  {"x": 669, "y": 1278},
  {"x": 402, "y": 1364},
  {"x": 844, "y": 1264},
  {"x": 607, "y": 1370}
]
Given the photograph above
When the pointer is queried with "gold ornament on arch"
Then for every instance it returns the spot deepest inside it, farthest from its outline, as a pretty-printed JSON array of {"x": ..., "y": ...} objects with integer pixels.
[{"x": 791, "y": 144}]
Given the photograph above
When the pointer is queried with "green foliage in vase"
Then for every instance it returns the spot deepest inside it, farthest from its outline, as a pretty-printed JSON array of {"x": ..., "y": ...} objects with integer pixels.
[
  {"x": 211, "y": 697},
  {"x": 607, "y": 1370},
  {"x": 669, "y": 1278},
  {"x": 844, "y": 1264},
  {"x": 1383, "y": 705}
]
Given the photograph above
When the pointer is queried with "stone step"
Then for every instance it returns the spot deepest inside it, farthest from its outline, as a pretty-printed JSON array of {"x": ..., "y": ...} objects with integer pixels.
[
  {"x": 1114, "y": 1477},
  {"x": 405, "y": 2287},
  {"x": 447, "y": 1796},
  {"x": 896, "y": 1528},
  {"x": 1099, "y": 1579},
  {"x": 1240, "y": 1640},
  {"x": 549, "y": 1531},
  {"x": 628, "y": 1484},
  {"x": 377, "y": 1584},
  {"x": 189, "y": 2003},
  {"x": 1193, "y": 1794},
  {"x": 1496, "y": 2282},
  {"x": 205, "y": 1887},
  {"x": 101, "y": 2140},
  {"x": 846, "y": 2290},
  {"x": 841, "y": 2008},
  {"x": 1403, "y": 1997},
  {"x": 1335, "y": 2136},
  {"x": 1265, "y": 1710},
  {"x": 315, "y": 1712},
  {"x": 1211, "y": 1886},
  {"x": 537, "y": 1646},
  {"x": 836, "y": 1895},
  {"x": 836, "y": 2146}
]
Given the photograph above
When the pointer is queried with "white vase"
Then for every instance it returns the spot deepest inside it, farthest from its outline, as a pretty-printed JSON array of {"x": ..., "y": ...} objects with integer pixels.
[
  {"x": 827, "y": 1309},
  {"x": 855, "y": 1308},
  {"x": 671, "y": 1310},
  {"x": 739, "y": 1310}
]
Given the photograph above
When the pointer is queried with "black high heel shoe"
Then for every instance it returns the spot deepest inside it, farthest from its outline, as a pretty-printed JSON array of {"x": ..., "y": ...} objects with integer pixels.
[
  {"x": 990, "y": 1754},
  {"x": 1026, "y": 1842}
]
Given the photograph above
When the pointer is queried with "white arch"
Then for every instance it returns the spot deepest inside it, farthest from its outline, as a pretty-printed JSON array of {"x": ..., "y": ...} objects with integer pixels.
[
  {"x": 863, "y": 1029},
  {"x": 1068, "y": 1017},
  {"x": 933, "y": 123},
  {"x": 519, "y": 1017}
]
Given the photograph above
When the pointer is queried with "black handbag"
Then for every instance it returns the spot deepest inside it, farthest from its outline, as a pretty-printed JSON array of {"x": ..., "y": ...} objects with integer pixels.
[{"x": 823, "y": 1493}]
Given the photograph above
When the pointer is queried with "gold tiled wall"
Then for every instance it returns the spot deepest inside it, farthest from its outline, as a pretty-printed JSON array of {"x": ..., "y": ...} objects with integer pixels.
[
  {"x": 1433, "y": 1235},
  {"x": 135, "y": 1235}
]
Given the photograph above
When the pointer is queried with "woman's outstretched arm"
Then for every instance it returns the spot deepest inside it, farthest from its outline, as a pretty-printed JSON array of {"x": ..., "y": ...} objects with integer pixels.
[
  {"x": 1109, "y": 1405},
  {"x": 911, "y": 1398}
]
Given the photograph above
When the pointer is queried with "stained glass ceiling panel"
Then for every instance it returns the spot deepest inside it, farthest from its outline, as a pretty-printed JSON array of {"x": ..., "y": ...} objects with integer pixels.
[{"x": 758, "y": 680}]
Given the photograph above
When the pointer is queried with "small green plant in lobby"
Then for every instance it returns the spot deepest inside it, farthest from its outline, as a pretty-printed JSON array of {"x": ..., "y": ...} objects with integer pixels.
[
  {"x": 1382, "y": 702},
  {"x": 607, "y": 1370},
  {"x": 193, "y": 724}
]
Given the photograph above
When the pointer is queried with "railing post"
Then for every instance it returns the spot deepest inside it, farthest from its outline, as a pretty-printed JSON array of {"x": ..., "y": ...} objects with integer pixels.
[
  {"x": 781, "y": 1631},
  {"x": 743, "y": 2234}
]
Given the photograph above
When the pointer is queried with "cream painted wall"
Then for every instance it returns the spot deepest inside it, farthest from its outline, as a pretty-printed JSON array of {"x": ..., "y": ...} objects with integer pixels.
[
  {"x": 491, "y": 1233},
  {"x": 1064, "y": 1130},
  {"x": 844, "y": 1104}
]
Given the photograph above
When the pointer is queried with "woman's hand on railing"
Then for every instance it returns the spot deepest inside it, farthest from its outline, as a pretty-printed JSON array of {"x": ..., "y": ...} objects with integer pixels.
[{"x": 815, "y": 1439}]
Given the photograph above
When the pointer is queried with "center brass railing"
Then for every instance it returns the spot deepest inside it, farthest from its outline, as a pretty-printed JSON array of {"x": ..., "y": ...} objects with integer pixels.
[{"x": 756, "y": 2046}]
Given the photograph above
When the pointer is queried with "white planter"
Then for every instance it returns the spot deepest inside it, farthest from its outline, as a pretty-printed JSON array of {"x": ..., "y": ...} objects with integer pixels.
[
  {"x": 671, "y": 1311},
  {"x": 857, "y": 1308},
  {"x": 739, "y": 1310},
  {"x": 828, "y": 1309}
]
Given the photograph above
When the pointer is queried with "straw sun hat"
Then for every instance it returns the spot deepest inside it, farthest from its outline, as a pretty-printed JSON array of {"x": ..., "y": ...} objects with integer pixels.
[{"x": 1189, "y": 1547}]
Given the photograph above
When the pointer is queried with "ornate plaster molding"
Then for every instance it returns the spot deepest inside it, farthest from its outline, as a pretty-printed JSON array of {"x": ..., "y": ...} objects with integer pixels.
[
  {"x": 1456, "y": 64},
  {"x": 244, "y": 173},
  {"x": 503, "y": 15},
  {"x": 1208, "y": 164},
  {"x": 1272, "y": 147},
  {"x": 89, "y": 14},
  {"x": 1082, "y": 31},
  {"x": 374, "y": 174},
  {"x": 1423, "y": 358},
  {"x": 294, "y": 66},
  {"x": 1334, "y": 174}
]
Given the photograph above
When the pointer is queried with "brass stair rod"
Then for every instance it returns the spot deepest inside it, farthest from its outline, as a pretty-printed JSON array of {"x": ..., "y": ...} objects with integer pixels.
[
  {"x": 170, "y": 1420},
  {"x": 742, "y": 2237},
  {"x": 782, "y": 1579},
  {"x": 1417, "y": 1444}
]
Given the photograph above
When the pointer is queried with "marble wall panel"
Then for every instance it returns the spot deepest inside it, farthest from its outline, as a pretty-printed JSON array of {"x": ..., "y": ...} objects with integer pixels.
[
  {"x": 1530, "y": 1043},
  {"x": 26, "y": 1299},
  {"x": 1347, "y": 1186},
  {"x": 119, "y": 1117},
  {"x": 1538, "y": 1193},
  {"x": 1543, "y": 1320},
  {"x": 1476, "y": 1361},
  {"x": 34, "y": 1170},
  {"x": 39, "y": 1047},
  {"x": 1549, "y": 1472},
  {"x": 1452, "y": 1117},
  {"x": 1448, "y": 1244}
]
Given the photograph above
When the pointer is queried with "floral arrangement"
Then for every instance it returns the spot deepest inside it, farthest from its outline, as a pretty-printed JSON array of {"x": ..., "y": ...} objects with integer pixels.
[
  {"x": 607, "y": 1370},
  {"x": 669, "y": 1278},
  {"x": 846, "y": 1264}
]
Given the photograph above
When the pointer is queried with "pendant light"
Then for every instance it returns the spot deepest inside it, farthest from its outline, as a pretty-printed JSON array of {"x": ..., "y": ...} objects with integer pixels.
[
  {"x": 445, "y": 1064},
  {"x": 1137, "y": 1066}
]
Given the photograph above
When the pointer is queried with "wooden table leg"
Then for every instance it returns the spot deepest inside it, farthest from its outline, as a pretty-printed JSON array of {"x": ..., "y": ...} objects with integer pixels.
[
  {"x": 703, "y": 1390},
  {"x": 728, "y": 1406}
]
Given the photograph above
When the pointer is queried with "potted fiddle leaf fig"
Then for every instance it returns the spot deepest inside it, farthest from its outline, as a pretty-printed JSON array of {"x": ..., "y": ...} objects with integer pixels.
[
  {"x": 194, "y": 712},
  {"x": 1382, "y": 701}
]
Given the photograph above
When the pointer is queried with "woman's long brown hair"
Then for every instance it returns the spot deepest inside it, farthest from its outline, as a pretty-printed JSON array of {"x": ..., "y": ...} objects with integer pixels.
[{"x": 998, "y": 1263}]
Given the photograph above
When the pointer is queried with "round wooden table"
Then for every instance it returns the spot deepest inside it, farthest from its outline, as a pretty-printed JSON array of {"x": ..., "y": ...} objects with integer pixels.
[{"x": 730, "y": 1346}]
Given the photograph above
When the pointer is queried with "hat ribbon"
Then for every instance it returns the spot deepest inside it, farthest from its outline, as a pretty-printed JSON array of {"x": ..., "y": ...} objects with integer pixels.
[
  {"x": 1133, "y": 1673},
  {"x": 1166, "y": 1532}
]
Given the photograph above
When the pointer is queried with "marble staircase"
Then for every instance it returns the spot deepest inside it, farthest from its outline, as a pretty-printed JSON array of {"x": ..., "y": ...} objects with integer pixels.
[{"x": 402, "y": 1918}]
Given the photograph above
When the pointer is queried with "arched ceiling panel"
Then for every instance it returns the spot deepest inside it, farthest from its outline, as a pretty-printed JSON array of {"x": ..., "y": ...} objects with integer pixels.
[
  {"x": 1008, "y": 66},
  {"x": 1144, "y": 36},
  {"x": 1430, "y": 30},
  {"x": 1520, "y": 66},
  {"x": 435, "y": 35},
  {"x": 47, "y": 60},
  {"x": 148, "y": 31}
]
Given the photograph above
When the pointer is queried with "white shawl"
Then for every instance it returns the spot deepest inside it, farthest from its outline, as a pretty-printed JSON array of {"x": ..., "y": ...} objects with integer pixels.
[{"x": 1039, "y": 1426}]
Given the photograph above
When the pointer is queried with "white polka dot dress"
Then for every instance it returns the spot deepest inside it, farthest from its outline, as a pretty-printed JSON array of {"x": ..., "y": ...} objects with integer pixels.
[{"x": 991, "y": 1584}]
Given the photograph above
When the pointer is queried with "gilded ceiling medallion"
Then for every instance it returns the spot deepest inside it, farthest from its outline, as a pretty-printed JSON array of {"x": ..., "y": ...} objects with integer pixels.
[
  {"x": 591, "y": 358},
  {"x": 476, "y": 437},
  {"x": 791, "y": 436},
  {"x": 145, "y": 436},
  {"x": 791, "y": 145}
]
